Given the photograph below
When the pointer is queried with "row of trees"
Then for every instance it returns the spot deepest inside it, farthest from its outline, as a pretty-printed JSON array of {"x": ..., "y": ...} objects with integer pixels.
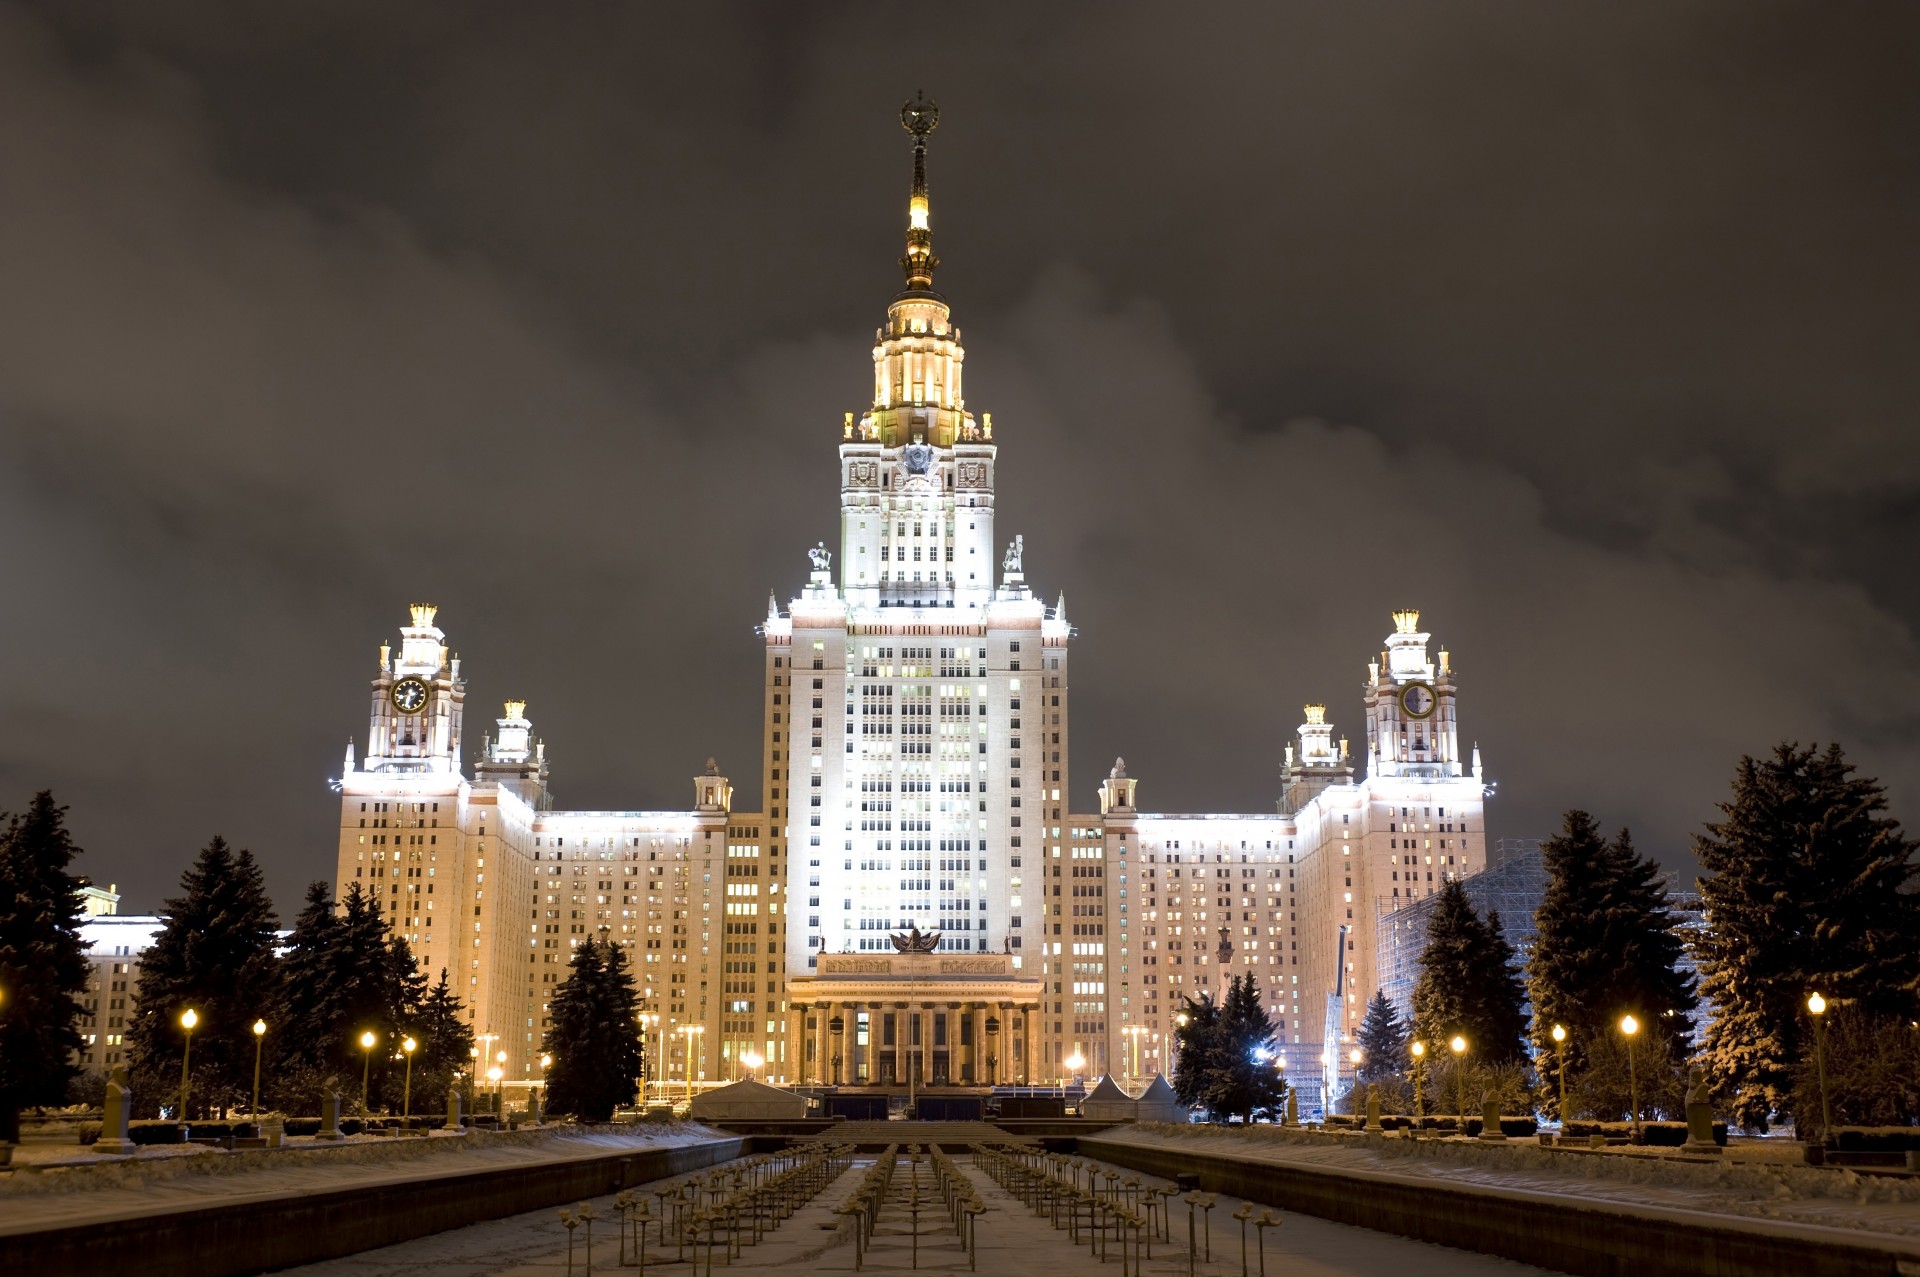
[
  {"x": 338, "y": 974},
  {"x": 1806, "y": 885}
]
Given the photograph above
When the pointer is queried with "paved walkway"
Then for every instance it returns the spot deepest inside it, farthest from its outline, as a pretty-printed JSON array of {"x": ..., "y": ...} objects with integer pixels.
[{"x": 1012, "y": 1242}]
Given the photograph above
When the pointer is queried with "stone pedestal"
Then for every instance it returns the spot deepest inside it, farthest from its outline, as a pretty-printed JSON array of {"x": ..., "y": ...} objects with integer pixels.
[
  {"x": 453, "y": 1109},
  {"x": 1490, "y": 1120},
  {"x": 119, "y": 1108},
  {"x": 1373, "y": 1108},
  {"x": 330, "y": 1117},
  {"x": 1293, "y": 1110}
]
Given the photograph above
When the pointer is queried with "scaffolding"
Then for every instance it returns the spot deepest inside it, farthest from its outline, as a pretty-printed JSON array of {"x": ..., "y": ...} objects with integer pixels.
[{"x": 1512, "y": 884}]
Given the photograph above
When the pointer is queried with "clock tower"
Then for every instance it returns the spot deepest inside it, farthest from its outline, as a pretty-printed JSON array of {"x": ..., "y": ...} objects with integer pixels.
[
  {"x": 1412, "y": 728},
  {"x": 414, "y": 724}
]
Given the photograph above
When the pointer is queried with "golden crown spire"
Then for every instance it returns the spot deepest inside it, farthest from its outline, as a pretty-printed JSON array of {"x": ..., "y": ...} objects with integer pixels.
[
  {"x": 919, "y": 117},
  {"x": 1407, "y": 621}
]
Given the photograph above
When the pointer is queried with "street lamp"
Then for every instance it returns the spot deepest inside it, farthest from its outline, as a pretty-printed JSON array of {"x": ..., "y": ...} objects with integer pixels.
[
  {"x": 473, "y": 1076},
  {"x": 1419, "y": 1050},
  {"x": 1631, "y": 1028},
  {"x": 752, "y": 1060},
  {"x": 494, "y": 1075},
  {"x": 649, "y": 1026},
  {"x": 1458, "y": 1045},
  {"x": 692, "y": 1031},
  {"x": 366, "y": 1065},
  {"x": 188, "y": 1019},
  {"x": 1075, "y": 1063},
  {"x": 1560, "y": 1066},
  {"x": 259, "y": 1038},
  {"x": 1133, "y": 1032},
  {"x": 406, "y": 1101},
  {"x": 1817, "y": 1008}
]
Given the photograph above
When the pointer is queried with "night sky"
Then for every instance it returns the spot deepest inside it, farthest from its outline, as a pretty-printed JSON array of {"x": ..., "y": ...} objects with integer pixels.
[{"x": 1587, "y": 329}]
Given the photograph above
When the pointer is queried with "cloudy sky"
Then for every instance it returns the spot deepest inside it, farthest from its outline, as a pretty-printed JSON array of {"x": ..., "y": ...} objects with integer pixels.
[{"x": 1585, "y": 328}]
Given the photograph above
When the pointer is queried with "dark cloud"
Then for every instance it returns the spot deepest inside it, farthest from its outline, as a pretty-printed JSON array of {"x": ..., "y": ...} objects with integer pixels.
[{"x": 1581, "y": 327}]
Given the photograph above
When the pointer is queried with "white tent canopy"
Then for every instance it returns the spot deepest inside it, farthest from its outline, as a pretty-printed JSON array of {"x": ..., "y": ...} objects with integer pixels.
[
  {"x": 1107, "y": 1101},
  {"x": 748, "y": 1100},
  {"x": 1158, "y": 1103}
]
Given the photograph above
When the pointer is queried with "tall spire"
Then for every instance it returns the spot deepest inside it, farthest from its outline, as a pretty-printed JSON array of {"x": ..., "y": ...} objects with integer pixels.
[{"x": 919, "y": 117}]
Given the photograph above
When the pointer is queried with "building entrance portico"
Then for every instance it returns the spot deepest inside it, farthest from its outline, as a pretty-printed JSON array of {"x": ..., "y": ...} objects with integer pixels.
[{"x": 912, "y": 1019}]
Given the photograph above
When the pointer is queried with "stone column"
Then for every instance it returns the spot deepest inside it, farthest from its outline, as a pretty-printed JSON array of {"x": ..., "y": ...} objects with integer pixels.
[
  {"x": 899, "y": 1043},
  {"x": 925, "y": 1013},
  {"x": 796, "y": 1071},
  {"x": 1027, "y": 1076}
]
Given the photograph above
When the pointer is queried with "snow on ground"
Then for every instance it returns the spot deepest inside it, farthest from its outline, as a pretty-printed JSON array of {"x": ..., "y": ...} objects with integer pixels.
[
  {"x": 1754, "y": 1187},
  {"x": 173, "y": 1179}
]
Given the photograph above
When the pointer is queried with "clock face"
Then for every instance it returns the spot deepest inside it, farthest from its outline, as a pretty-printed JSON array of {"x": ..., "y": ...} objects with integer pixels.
[
  {"x": 1417, "y": 700},
  {"x": 409, "y": 695}
]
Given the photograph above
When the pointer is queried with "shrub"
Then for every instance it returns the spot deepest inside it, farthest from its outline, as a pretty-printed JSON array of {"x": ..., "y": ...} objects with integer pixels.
[
  {"x": 1876, "y": 1139},
  {"x": 303, "y": 1126},
  {"x": 154, "y": 1132},
  {"x": 1656, "y": 1134}
]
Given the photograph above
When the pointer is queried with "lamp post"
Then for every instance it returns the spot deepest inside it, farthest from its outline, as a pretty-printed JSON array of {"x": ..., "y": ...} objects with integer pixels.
[
  {"x": 188, "y": 1019},
  {"x": 1458, "y": 1045},
  {"x": 406, "y": 1096},
  {"x": 752, "y": 1060},
  {"x": 473, "y": 1077},
  {"x": 1419, "y": 1050},
  {"x": 692, "y": 1031},
  {"x": 499, "y": 1091},
  {"x": 1560, "y": 1067},
  {"x": 259, "y": 1038},
  {"x": 649, "y": 1044},
  {"x": 1074, "y": 1063},
  {"x": 366, "y": 1065},
  {"x": 1133, "y": 1032},
  {"x": 1817, "y": 1008},
  {"x": 1631, "y": 1028}
]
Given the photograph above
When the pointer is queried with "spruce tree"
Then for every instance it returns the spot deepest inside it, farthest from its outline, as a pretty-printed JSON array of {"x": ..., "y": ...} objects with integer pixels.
[
  {"x": 1195, "y": 1042},
  {"x": 444, "y": 1037},
  {"x": 1467, "y": 983},
  {"x": 1807, "y": 886},
  {"x": 307, "y": 1029},
  {"x": 43, "y": 963},
  {"x": 214, "y": 954},
  {"x": 1383, "y": 1043},
  {"x": 595, "y": 1037},
  {"x": 1607, "y": 945},
  {"x": 1244, "y": 1080}
]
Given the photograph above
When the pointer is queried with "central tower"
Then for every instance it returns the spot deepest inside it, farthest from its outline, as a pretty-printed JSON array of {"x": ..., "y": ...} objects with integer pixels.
[
  {"x": 916, "y": 471},
  {"x": 916, "y": 716}
]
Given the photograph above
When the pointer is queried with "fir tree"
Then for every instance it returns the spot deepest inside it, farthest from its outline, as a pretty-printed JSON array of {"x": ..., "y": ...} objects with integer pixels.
[
  {"x": 1194, "y": 1042},
  {"x": 1383, "y": 1043},
  {"x": 43, "y": 964},
  {"x": 1244, "y": 1081},
  {"x": 311, "y": 1015},
  {"x": 1807, "y": 886},
  {"x": 1467, "y": 983},
  {"x": 595, "y": 1038},
  {"x": 444, "y": 1036},
  {"x": 1607, "y": 945},
  {"x": 1223, "y": 1054},
  {"x": 214, "y": 954}
]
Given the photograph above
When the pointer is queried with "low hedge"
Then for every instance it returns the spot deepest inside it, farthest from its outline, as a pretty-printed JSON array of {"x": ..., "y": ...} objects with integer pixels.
[
  {"x": 154, "y": 1132},
  {"x": 1874, "y": 1139},
  {"x": 1656, "y": 1134}
]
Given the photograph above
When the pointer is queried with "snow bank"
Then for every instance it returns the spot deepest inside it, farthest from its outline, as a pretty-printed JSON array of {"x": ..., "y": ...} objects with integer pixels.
[
  {"x": 1726, "y": 1185},
  {"x": 172, "y": 1174}
]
